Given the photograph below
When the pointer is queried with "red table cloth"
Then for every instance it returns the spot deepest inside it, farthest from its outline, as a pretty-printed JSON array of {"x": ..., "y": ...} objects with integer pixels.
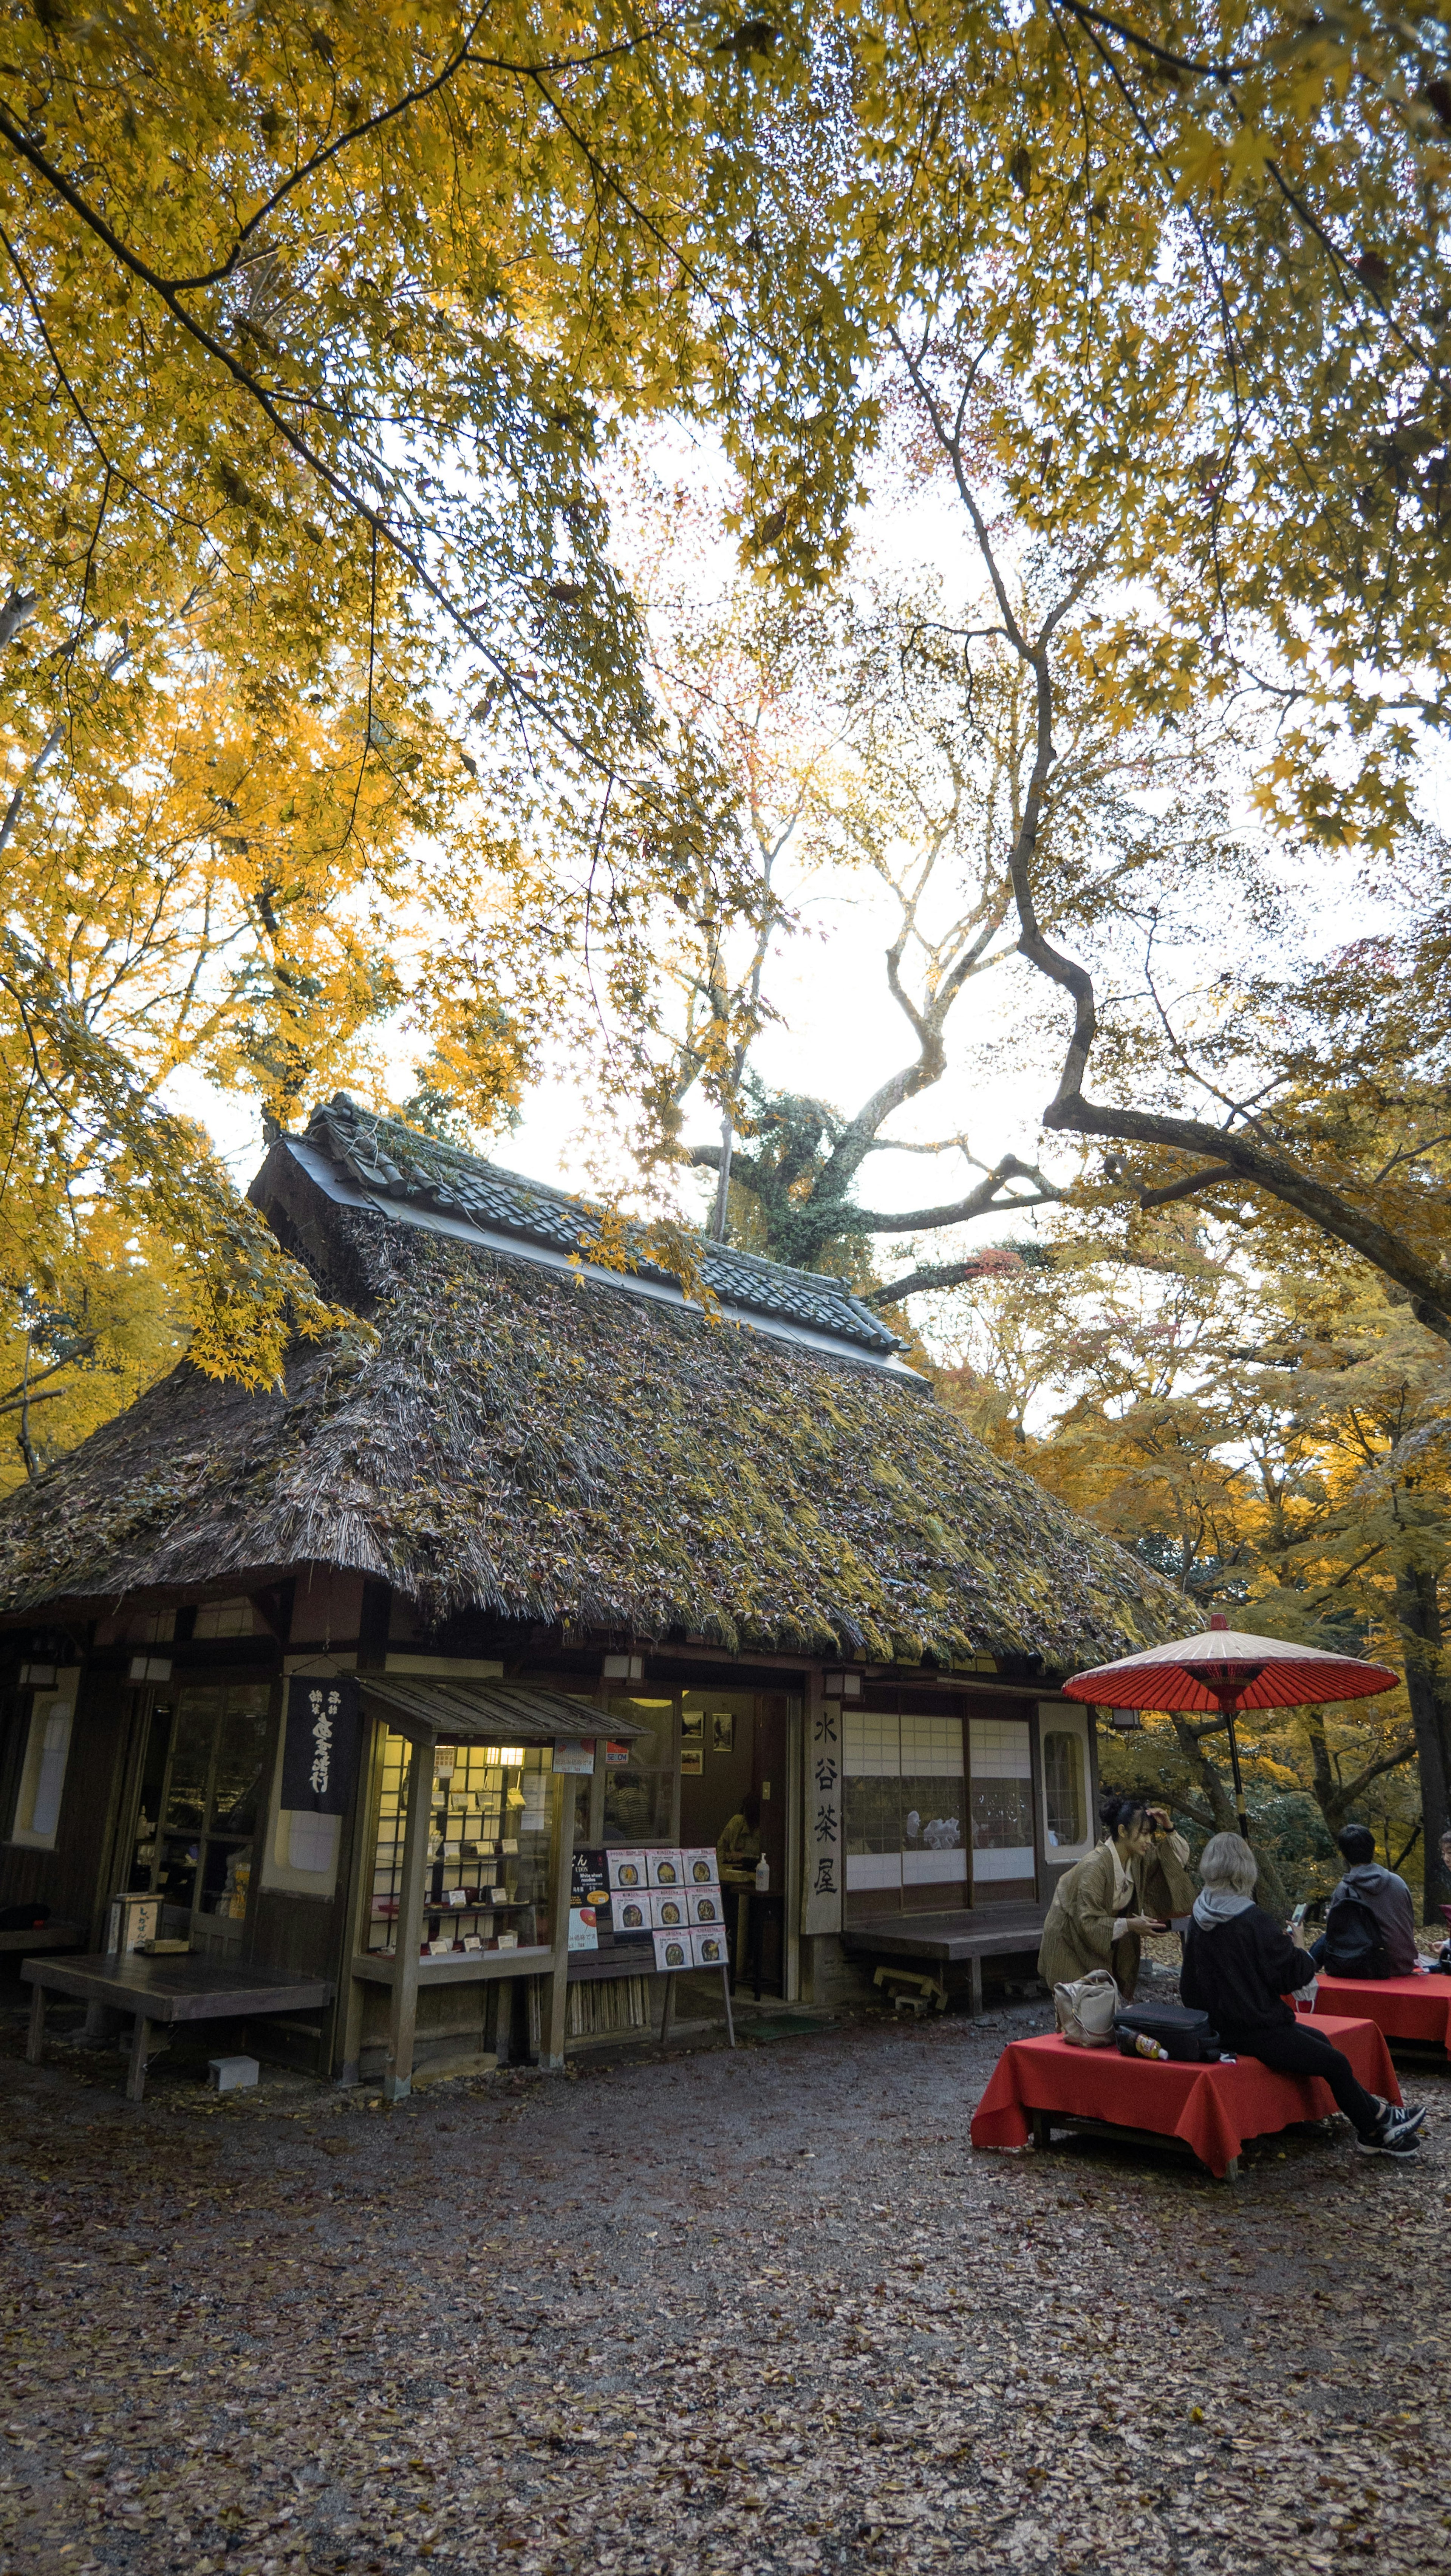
[
  {"x": 1402, "y": 2007},
  {"x": 1213, "y": 2109}
]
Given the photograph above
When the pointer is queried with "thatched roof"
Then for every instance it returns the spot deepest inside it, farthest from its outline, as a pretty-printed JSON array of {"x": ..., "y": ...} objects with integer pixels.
[
  {"x": 536, "y": 1445},
  {"x": 390, "y": 1166}
]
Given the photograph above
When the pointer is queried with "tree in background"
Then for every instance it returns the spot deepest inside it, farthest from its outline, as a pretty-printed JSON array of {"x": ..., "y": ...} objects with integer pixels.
[
  {"x": 313, "y": 337},
  {"x": 860, "y": 757},
  {"x": 1164, "y": 302},
  {"x": 1271, "y": 1441}
]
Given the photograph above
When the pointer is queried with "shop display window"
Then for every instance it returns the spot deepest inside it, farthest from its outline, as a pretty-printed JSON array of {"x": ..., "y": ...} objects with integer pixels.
[
  {"x": 640, "y": 1791},
  {"x": 487, "y": 1885}
]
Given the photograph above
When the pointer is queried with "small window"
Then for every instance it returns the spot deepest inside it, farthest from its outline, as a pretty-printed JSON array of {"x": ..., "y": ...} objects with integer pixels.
[
  {"x": 42, "y": 1774},
  {"x": 1063, "y": 1790}
]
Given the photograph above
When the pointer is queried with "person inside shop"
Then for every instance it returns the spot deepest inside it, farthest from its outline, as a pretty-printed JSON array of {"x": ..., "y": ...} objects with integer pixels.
[
  {"x": 1135, "y": 1882},
  {"x": 1239, "y": 1966},
  {"x": 739, "y": 1847},
  {"x": 1370, "y": 1922},
  {"x": 737, "y": 1853}
]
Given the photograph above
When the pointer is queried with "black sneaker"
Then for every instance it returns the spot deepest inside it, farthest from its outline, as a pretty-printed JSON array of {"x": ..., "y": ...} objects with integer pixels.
[
  {"x": 1408, "y": 2117},
  {"x": 1392, "y": 2138}
]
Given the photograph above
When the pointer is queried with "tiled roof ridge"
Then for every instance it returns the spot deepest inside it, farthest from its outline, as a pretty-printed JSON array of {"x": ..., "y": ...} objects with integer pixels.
[{"x": 373, "y": 1150}]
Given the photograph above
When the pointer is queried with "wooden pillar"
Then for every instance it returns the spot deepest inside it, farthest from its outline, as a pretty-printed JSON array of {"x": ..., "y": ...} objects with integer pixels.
[
  {"x": 351, "y": 2002},
  {"x": 551, "y": 2055},
  {"x": 795, "y": 1831},
  {"x": 403, "y": 2002}
]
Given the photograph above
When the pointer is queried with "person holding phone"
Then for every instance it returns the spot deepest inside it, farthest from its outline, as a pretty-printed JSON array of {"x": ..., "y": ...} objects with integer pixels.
[{"x": 1134, "y": 1883}]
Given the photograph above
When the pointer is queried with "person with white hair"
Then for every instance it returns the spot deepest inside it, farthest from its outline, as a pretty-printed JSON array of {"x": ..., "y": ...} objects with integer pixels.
[{"x": 1239, "y": 1966}]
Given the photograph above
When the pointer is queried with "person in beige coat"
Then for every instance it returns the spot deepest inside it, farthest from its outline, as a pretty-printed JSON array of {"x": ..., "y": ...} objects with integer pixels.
[{"x": 1136, "y": 1880}]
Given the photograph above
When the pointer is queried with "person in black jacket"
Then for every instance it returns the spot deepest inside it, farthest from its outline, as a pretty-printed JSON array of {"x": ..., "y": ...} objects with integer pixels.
[{"x": 1238, "y": 1968}]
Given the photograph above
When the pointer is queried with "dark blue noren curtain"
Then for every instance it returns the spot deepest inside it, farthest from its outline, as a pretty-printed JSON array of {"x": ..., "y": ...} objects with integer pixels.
[{"x": 320, "y": 1757}]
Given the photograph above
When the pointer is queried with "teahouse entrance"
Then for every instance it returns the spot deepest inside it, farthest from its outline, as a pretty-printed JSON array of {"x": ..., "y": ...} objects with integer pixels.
[
  {"x": 731, "y": 1743},
  {"x": 194, "y": 1810}
]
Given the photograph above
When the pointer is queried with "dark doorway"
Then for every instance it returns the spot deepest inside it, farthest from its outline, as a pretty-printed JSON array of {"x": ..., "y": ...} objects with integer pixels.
[{"x": 730, "y": 1742}]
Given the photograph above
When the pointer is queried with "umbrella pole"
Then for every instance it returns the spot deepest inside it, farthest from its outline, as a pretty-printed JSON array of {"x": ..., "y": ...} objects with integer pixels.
[{"x": 1227, "y": 1703}]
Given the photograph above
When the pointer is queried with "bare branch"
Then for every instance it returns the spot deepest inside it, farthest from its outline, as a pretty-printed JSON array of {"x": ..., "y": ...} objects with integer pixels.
[{"x": 982, "y": 1201}]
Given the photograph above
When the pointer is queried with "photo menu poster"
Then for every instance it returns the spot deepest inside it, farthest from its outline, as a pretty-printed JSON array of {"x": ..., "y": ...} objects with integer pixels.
[
  {"x": 651, "y": 1907},
  {"x": 620, "y": 1914}
]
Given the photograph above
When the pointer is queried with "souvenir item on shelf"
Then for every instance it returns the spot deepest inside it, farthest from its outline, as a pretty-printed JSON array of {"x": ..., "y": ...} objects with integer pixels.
[{"x": 474, "y": 1867}]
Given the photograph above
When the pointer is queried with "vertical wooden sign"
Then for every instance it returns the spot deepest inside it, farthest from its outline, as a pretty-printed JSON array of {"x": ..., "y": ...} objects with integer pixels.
[{"x": 825, "y": 1871}]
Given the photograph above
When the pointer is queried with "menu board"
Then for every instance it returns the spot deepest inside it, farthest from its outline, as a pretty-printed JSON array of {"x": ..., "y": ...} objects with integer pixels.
[{"x": 644, "y": 1908}]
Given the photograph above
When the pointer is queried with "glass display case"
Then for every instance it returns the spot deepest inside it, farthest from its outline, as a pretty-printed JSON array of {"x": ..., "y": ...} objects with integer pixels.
[{"x": 487, "y": 1883}]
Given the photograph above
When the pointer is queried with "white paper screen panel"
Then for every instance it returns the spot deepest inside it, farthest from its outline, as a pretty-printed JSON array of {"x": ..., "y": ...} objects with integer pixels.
[
  {"x": 1000, "y": 1748},
  {"x": 1011, "y": 1860},
  {"x": 871, "y": 1745},
  {"x": 931, "y": 1747}
]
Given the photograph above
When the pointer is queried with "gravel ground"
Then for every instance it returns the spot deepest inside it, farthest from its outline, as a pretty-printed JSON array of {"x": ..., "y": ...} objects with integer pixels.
[{"x": 749, "y": 2313}]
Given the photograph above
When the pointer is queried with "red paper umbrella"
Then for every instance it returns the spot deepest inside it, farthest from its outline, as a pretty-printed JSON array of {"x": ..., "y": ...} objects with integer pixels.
[{"x": 1230, "y": 1670}]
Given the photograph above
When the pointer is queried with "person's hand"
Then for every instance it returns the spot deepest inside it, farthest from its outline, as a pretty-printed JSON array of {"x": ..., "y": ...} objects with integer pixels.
[
  {"x": 1160, "y": 1819},
  {"x": 1142, "y": 1923}
]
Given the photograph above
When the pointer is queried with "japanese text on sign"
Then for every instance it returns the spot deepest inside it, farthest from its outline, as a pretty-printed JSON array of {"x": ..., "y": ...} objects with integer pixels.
[{"x": 821, "y": 1893}]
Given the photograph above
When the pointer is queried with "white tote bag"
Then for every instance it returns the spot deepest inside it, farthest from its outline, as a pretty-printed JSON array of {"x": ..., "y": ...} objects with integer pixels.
[{"x": 1086, "y": 2009}]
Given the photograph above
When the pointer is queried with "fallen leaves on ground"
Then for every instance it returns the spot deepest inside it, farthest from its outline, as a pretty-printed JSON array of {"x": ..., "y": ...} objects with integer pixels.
[{"x": 707, "y": 2313}]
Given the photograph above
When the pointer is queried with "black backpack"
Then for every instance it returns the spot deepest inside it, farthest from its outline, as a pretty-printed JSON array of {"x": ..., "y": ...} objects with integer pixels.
[
  {"x": 1188, "y": 2036},
  {"x": 1354, "y": 1942}
]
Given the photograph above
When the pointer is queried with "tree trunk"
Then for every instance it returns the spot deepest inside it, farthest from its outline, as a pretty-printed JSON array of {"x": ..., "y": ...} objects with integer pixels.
[{"x": 1418, "y": 1616}]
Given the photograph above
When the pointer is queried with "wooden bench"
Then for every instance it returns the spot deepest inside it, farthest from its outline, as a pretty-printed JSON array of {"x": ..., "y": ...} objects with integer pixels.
[
  {"x": 963, "y": 1938},
  {"x": 44, "y": 1936},
  {"x": 165, "y": 1992}
]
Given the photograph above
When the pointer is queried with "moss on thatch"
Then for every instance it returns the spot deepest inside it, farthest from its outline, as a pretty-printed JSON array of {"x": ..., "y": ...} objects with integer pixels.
[{"x": 540, "y": 1447}]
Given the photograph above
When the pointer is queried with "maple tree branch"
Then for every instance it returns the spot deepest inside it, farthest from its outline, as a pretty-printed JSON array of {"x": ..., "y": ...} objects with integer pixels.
[
  {"x": 1349, "y": 1790},
  {"x": 1205, "y": 1180},
  {"x": 1249, "y": 1159},
  {"x": 979, "y": 1202},
  {"x": 24, "y": 1399},
  {"x": 942, "y": 1274},
  {"x": 269, "y": 401}
]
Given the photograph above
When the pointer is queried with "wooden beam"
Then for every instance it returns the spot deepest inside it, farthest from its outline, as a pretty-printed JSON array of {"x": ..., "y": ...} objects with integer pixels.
[
  {"x": 551, "y": 2054},
  {"x": 403, "y": 2003}
]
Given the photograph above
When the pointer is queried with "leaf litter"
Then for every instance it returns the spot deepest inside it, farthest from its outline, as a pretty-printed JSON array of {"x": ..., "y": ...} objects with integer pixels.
[{"x": 703, "y": 2313}]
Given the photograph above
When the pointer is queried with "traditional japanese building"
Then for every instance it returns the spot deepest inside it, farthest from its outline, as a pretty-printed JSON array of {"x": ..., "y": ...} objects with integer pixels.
[{"x": 361, "y": 1681}]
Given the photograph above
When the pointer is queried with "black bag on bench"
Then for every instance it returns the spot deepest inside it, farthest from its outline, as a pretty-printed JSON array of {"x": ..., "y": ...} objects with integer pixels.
[{"x": 1188, "y": 2036}]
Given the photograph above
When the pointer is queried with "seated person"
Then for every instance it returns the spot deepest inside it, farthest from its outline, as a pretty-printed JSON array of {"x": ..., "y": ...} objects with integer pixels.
[
  {"x": 1103, "y": 1906},
  {"x": 1386, "y": 1898},
  {"x": 1238, "y": 1968},
  {"x": 739, "y": 1847}
]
